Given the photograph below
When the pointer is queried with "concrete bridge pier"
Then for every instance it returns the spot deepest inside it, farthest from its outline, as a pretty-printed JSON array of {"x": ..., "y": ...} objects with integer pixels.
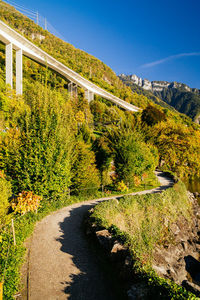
[
  {"x": 89, "y": 95},
  {"x": 75, "y": 90},
  {"x": 72, "y": 89},
  {"x": 9, "y": 68},
  {"x": 19, "y": 72},
  {"x": 9, "y": 64}
]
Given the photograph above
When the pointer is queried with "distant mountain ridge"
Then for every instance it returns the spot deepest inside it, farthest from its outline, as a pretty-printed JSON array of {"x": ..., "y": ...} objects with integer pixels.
[
  {"x": 158, "y": 86},
  {"x": 179, "y": 95}
]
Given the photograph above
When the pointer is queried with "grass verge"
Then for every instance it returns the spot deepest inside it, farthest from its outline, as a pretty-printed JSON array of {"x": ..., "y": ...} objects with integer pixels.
[{"x": 141, "y": 222}]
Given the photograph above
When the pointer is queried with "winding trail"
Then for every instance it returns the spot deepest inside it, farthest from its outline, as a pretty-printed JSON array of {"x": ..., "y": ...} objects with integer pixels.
[{"x": 62, "y": 264}]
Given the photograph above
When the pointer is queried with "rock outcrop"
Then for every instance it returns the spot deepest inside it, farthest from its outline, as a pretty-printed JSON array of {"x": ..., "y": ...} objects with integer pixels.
[
  {"x": 158, "y": 86},
  {"x": 178, "y": 260}
]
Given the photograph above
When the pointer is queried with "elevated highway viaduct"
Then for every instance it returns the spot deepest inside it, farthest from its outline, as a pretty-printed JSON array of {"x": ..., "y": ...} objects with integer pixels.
[{"x": 15, "y": 41}]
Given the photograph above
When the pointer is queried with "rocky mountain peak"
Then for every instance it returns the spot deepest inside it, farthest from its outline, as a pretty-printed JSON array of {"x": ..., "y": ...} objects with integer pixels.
[
  {"x": 157, "y": 86},
  {"x": 178, "y": 95}
]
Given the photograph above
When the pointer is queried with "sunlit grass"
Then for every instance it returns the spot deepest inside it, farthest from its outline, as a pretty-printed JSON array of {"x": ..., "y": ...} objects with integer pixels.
[{"x": 145, "y": 218}]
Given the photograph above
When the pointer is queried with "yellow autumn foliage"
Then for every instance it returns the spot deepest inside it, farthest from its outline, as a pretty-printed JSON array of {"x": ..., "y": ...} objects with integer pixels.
[{"x": 25, "y": 202}]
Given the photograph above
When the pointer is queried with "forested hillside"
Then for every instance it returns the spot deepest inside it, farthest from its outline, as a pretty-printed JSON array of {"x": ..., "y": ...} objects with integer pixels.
[
  {"x": 54, "y": 146},
  {"x": 183, "y": 101}
]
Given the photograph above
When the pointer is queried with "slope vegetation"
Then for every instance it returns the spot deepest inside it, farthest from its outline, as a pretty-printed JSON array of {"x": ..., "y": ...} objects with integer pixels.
[
  {"x": 184, "y": 101},
  {"x": 81, "y": 62}
]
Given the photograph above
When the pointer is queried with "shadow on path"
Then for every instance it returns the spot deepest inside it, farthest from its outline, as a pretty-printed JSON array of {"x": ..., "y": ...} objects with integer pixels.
[{"x": 89, "y": 279}]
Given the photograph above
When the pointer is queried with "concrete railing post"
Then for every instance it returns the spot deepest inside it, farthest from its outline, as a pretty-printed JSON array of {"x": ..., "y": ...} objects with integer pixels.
[
  {"x": 19, "y": 72},
  {"x": 9, "y": 64}
]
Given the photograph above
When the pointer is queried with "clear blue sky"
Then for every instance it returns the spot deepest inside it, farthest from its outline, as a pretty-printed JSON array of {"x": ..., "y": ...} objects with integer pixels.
[{"x": 155, "y": 39}]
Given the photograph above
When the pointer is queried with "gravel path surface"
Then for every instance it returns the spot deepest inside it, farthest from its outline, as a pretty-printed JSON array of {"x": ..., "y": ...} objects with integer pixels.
[{"x": 62, "y": 265}]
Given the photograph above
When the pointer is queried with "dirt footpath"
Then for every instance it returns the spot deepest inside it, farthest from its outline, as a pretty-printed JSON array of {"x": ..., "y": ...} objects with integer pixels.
[{"x": 62, "y": 265}]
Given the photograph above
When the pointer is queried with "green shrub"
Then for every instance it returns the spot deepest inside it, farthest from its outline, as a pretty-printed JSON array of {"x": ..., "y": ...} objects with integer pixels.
[
  {"x": 36, "y": 153},
  {"x": 85, "y": 178},
  {"x": 104, "y": 159},
  {"x": 178, "y": 147},
  {"x": 5, "y": 193},
  {"x": 122, "y": 187},
  {"x": 151, "y": 115},
  {"x": 132, "y": 157}
]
